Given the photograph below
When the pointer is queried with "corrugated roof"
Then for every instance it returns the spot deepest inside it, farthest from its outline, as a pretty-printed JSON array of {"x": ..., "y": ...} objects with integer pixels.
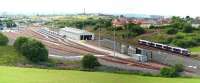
[{"x": 74, "y": 30}]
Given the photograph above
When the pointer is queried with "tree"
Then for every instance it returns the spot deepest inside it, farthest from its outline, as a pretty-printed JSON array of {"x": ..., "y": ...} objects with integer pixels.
[
  {"x": 179, "y": 67},
  {"x": 34, "y": 51},
  {"x": 168, "y": 72},
  {"x": 152, "y": 27},
  {"x": 89, "y": 62},
  {"x": 3, "y": 39},
  {"x": 19, "y": 42},
  {"x": 171, "y": 31},
  {"x": 187, "y": 28},
  {"x": 9, "y": 23},
  {"x": 134, "y": 28},
  {"x": 177, "y": 22},
  {"x": 173, "y": 71}
]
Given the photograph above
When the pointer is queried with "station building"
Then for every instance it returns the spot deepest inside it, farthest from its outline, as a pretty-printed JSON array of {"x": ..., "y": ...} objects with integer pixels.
[{"x": 76, "y": 34}]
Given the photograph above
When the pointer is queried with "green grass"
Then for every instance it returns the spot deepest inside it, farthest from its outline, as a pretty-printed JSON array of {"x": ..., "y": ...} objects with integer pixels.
[
  {"x": 9, "y": 56},
  {"x": 31, "y": 75},
  {"x": 195, "y": 49}
]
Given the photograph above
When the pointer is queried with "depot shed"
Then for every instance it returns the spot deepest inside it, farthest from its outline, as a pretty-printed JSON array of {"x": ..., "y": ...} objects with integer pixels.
[{"x": 76, "y": 34}]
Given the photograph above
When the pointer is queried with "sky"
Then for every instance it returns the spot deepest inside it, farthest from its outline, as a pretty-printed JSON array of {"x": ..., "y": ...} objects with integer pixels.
[{"x": 150, "y": 7}]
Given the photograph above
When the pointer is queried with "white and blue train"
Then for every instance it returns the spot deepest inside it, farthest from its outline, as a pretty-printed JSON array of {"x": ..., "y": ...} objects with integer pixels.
[{"x": 177, "y": 50}]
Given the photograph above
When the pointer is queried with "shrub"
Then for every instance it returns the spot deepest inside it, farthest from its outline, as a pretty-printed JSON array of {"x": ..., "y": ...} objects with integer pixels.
[
  {"x": 179, "y": 37},
  {"x": 168, "y": 40},
  {"x": 19, "y": 42},
  {"x": 185, "y": 43},
  {"x": 89, "y": 62},
  {"x": 34, "y": 50},
  {"x": 152, "y": 27},
  {"x": 187, "y": 28},
  {"x": 168, "y": 72},
  {"x": 178, "y": 67},
  {"x": 172, "y": 31},
  {"x": 3, "y": 39},
  {"x": 171, "y": 71},
  {"x": 135, "y": 28}
]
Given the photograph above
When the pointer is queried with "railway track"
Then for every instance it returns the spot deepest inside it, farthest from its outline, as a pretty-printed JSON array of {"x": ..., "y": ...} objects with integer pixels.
[
  {"x": 51, "y": 38},
  {"x": 81, "y": 47},
  {"x": 50, "y": 43},
  {"x": 129, "y": 62},
  {"x": 69, "y": 43},
  {"x": 107, "y": 57}
]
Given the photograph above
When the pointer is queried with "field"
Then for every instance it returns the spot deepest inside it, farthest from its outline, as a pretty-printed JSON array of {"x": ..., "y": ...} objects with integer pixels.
[{"x": 31, "y": 75}]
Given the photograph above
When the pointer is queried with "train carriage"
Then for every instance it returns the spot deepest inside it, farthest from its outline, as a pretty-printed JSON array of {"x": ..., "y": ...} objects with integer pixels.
[{"x": 177, "y": 50}]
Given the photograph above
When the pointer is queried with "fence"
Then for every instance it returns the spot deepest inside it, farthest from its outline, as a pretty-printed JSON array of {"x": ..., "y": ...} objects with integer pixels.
[{"x": 153, "y": 55}]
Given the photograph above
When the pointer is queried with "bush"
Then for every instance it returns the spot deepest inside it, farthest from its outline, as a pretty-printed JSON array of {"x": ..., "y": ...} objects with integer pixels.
[
  {"x": 138, "y": 30},
  {"x": 172, "y": 31},
  {"x": 171, "y": 71},
  {"x": 19, "y": 42},
  {"x": 3, "y": 39},
  {"x": 168, "y": 40},
  {"x": 135, "y": 28},
  {"x": 34, "y": 51},
  {"x": 179, "y": 37},
  {"x": 178, "y": 67},
  {"x": 89, "y": 62},
  {"x": 168, "y": 72},
  {"x": 187, "y": 28},
  {"x": 185, "y": 43},
  {"x": 152, "y": 27}
]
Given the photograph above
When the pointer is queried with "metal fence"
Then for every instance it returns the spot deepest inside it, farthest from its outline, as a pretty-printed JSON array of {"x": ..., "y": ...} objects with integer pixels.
[{"x": 153, "y": 55}]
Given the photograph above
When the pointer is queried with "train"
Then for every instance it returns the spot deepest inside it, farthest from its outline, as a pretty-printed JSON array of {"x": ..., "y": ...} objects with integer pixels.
[{"x": 178, "y": 50}]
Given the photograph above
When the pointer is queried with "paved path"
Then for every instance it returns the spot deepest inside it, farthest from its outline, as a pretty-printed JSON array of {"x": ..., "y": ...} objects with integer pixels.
[
  {"x": 111, "y": 53},
  {"x": 69, "y": 58}
]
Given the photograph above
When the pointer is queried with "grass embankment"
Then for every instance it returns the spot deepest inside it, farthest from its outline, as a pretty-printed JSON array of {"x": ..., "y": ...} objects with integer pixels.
[
  {"x": 195, "y": 49},
  {"x": 9, "y": 56},
  {"x": 31, "y": 75}
]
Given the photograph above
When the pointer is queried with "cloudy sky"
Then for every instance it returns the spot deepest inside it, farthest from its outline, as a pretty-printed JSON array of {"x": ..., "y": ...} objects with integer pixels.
[{"x": 158, "y": 7}]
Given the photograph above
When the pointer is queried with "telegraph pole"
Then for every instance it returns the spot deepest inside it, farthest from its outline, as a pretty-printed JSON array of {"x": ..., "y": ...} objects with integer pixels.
[
  {"x": 99, "y": 26},
  {"x": 114, "y": 42},
  {"x": 99, "y": 35}
]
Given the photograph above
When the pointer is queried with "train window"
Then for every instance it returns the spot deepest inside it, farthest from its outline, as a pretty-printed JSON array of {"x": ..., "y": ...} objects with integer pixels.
[
  {"x": 143, "y": 42},
  {"x": 152, "y": 44},
  {"x": 184, "y": 52},
  {"x": 158, "y": 46},
  {"x": 176, "y": 50},
  {"x": 167, "y": 47}
]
